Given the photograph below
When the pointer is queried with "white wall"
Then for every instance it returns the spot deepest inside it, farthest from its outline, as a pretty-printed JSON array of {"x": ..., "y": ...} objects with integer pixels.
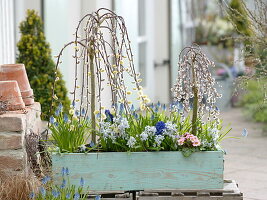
[
  {"x": 7, "y": 37},
  {"x": 161, "y": 51}
]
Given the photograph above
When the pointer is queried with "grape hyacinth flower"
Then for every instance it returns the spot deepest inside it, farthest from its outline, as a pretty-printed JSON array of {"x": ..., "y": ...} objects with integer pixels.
[
  {"x": 52, "y": 120},
  {"x": 82, "y": 182},
  {"x": 76, "y": 196},
  {"x": 32, "y": 195},
  {"x": 244, "y": 133},
  {"x": 68, "y": 196},
  {"x": 55, "y": 193},
  {"x": 42, "y": 191},
  {"x": 109, "y": 116}
]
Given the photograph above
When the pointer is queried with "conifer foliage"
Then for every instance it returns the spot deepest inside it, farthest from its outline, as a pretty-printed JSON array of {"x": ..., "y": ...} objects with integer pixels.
[{"x": 34, "y": 52}]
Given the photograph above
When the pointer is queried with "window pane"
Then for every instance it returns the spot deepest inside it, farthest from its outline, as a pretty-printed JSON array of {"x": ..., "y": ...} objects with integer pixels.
[
  {"x": 141, "y": 18},
  {"x": 142, "y": 61}
]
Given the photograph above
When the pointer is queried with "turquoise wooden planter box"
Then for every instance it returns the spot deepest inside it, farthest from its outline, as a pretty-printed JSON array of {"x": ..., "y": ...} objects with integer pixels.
[{"x": 108, "y": 171}]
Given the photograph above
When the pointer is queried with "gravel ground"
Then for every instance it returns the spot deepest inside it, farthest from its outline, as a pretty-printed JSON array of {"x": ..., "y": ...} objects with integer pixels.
[{"x": 246, "y": 159}]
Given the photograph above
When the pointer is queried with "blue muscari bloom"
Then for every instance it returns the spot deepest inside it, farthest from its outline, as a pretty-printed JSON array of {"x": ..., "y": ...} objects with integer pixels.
[
  {"x": 98, "y": 197},
  {"x": 98, "y": 115},
  {"x": 160, "y": 126},
  {"x": 45, "y": 180},
  {"x": 121, "y": 108},
  {"x": 180, "y": 107},
  {"x": 158, "y": 105},
  {"x": 77, "y": 112},
  {"x": 132, "y": 108},
  {"x": 67, "y": 171},
  {"x": 109, "y": 116},
  {"x": 73, "y": 104},
  {"x": 31, "y": 195},
  {"x": 115, "y": 105},
  {"x": 152, "y": 116},
  {"x": 56, "y": 123},
  {"x": 68, "y": 196},
  {"x": 52, "y": 120},
  {"x": 170, "y": 107},
  {"x": 88, "y": 118},
  {"x": 92, "y": 144},
  {"x": 244, "y": 133},
  {"x": 63, "y": 185},
  {"x": 63, "y": 171},
  {"x": 164, "y": 107},
  {"x": 156, "y": 109},
  {"x": 64, "y": 181},
  {"x": 55, "y": 193},
  {"x": 135, "y": 115},
  {"x": 42, "y": 191},
  {"x": 60, "y": 106},
  {"x": 83, "y": 112},
  {"x": 66, "y": 118},
  {"x": 82, "y": 182},
  {"x": 191, "y": 106},
  {"x": 76, "y": 196},
  {"x": 57, "y": 113}
]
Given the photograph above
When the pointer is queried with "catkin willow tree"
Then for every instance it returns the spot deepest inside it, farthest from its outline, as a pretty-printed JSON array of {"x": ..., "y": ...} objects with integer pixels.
[
  {"x": 194, "y": 82},
  {"x": 103, "y": 51}
]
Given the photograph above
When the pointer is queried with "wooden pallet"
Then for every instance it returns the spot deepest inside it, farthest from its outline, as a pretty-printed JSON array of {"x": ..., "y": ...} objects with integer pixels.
[{"x": 229, "y": 192}]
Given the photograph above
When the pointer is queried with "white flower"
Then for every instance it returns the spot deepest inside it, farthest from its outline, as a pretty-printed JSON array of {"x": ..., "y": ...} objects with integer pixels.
[
  {"x": 214, "y": 133},
  {"x": 144, "y": 136},
  {"x": 170, "y": 129},
  {"x": 83, "y": 147},
  {"x": 131, "y": 142},
  {"x": 123, "y": 124},
  {"x": 150, "y": 130},
  {"x": 158, "y": 139}
]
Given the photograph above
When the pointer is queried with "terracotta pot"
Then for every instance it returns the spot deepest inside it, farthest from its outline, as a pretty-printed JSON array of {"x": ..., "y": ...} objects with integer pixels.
[
  {"x": 18, "y": 72},
  {"x": 10, "y": 94}
]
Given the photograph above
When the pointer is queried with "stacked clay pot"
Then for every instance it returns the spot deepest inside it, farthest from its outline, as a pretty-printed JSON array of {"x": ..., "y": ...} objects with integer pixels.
[
  {"x": 10, "y": 94},
  {"x": 18, "y": 72}
]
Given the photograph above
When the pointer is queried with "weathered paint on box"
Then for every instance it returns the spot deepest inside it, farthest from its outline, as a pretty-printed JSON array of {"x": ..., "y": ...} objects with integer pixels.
[{"x": 142, "y": 170}]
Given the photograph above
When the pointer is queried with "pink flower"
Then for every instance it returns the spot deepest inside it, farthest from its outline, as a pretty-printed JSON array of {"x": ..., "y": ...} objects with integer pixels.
[
  {"x": 187, "y": 135},
  {"x": 181, "y": 141},
  {"x": 193, "y": 138},
  {"x": 196, "y": 143}
]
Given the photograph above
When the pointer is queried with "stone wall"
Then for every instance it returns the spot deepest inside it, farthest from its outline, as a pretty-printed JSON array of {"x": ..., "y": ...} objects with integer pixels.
[{"x": 14, "y": 125}]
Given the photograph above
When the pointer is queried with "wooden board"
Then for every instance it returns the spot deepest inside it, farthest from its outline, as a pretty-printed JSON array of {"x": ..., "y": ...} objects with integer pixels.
[
  {"x": 229, "y": 192},
  {"x": 142, "y": 170}
]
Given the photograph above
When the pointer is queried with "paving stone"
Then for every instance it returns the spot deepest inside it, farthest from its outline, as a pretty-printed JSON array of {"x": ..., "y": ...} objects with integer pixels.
[{"x": 246, "y": 159}]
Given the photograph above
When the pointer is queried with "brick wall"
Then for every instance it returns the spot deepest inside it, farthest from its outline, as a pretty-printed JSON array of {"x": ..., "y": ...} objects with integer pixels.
[{"x": 14, "y": 125}]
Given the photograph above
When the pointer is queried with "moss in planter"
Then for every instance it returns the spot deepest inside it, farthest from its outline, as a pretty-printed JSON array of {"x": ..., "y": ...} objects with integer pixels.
[{"x": 35, "y": 53}]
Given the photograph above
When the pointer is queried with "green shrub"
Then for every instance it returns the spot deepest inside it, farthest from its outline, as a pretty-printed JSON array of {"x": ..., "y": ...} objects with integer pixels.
[
  {"x": 253, "y": 101},
  {"x": 239, "y": 17},
  {"x": 35, "y": 54}
]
